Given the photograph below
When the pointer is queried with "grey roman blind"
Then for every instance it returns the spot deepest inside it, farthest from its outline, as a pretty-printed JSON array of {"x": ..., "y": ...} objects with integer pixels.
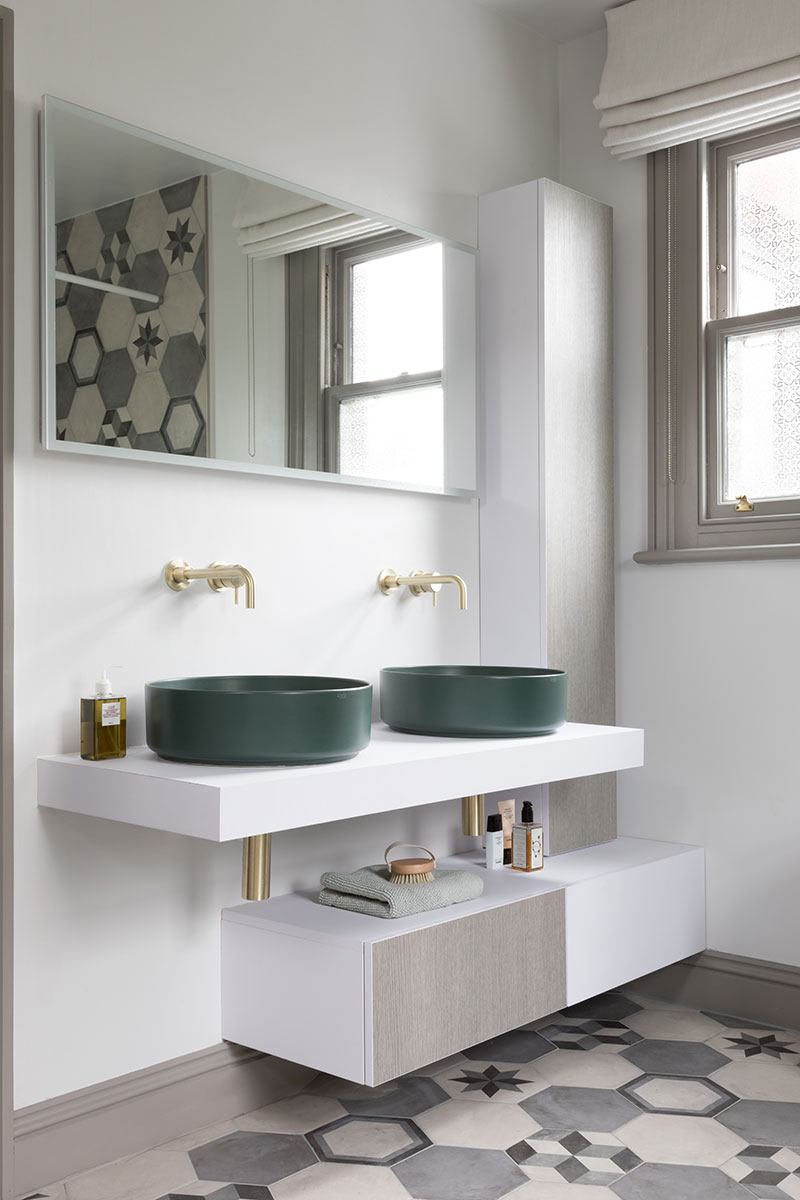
[{"x": 679, "y": 70}]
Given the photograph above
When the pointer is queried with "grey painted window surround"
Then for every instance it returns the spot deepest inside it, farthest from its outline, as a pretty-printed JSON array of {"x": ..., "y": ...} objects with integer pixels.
[{"x": 688, "y": 236}]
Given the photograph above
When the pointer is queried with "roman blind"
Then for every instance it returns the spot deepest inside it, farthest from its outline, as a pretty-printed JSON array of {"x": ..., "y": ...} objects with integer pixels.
[
  {"x": 271, "y": 221},
  {"x": 679, "y": 70}
]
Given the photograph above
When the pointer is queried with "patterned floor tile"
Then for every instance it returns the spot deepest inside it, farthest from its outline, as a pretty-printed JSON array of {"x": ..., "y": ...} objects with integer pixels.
[
  {"x": 678, "y": 1095},
  {"x": 298, "y": 1114},
  {"x": 587, "y": 1070},
  {"x": 580, "y": 1108},
  {"x": 373, "y": 1141},
  {"x": 406, "y": 1098},
  {"x": 657, "y": 1181},
  {"x": 260, "y": 1158},
  {"x": 769, "y": 1171},
  {"x": 451, "y": 1173},
  {"x": 742, "y": 1044},
  {"x": 675, "y": 1024},
  {"x": 139, "y": 1178},
  {"x": 571, "y": 1156},
  {"x": 660, "y": 1056},
  {"x": 685, "y": 1141},
  {"x": 341, "y": 1181},
  {"x": 612, "y": 1006},
  {"x": 518, "y": 1046},
  {"x": 763, "y": 1122},
  {"x": 575, "y": 1034},
  {"x": 343, "y": 1089},
  {"x": 504, "y": 1083},
  {"x": 536, "y": 1190},
  {"x": 760, "y": 1079},
  {"x": 470, "y": 1123}
]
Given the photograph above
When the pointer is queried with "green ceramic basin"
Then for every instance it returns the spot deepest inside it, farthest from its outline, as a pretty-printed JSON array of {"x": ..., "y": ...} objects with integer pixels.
[
  {"x": 258, "y": 720},
  {"x": 474, "y": 701}
]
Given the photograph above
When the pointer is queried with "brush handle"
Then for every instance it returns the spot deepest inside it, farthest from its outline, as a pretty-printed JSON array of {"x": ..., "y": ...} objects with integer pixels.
[{"x": 410, "y": 846}]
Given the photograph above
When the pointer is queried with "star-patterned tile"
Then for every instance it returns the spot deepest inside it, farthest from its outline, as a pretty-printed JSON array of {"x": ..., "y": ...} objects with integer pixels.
[{"x": 500, "y": 1083}]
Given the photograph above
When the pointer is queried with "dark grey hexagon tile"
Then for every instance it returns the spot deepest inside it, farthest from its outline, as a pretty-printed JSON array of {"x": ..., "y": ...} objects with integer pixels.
[
  {"x": 182, "y": 364},
  {"x": 150, "y": 441},
  {"x": 63, "y": 230},
  {"x": 149, "y": 274},
  {"x": 84, "y": 304},
  {"x": 737, "y": 1022},
  {"x": 259, "y": 1158},
  {"x": 612, "y": 1006},
  {"x": 373, "y": 1141},
  {"x": 65, "y": 391},
  {"x": 114, "y": 217},
  {"x": 598, "y": 1109},
  {"x": 115, "y": 378},
  {"x": 454, "y": 1173},
  {"x": 179, "y": 195},
  {"x": 764, "y": 1122},
  {"x": 518, "y": 1046},
  {"x": 658, "y": 1056},
  {"x": 658, "y": 1181},
  {"x": 412, "y": 1095},
  {"x": 183, "y": 425}
]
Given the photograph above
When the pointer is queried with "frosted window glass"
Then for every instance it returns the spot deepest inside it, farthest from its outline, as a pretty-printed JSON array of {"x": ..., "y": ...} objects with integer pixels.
[
  {"x": 767, "y": 232},
  {"x": 394, "y": 436},
  {"x": 396, "y": 318},
  {"x": 762, "y": 426}
]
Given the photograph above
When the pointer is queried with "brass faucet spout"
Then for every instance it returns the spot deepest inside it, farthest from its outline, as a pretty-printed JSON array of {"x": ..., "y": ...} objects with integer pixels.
[
  {"x": 421, "y": 582},
  {"x": 219, "y": 575}
]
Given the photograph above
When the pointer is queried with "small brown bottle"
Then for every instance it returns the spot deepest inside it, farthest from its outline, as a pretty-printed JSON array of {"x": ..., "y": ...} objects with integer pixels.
[
  {"x": 527, "y": 844},
  {"x": 103, "y": 721}
]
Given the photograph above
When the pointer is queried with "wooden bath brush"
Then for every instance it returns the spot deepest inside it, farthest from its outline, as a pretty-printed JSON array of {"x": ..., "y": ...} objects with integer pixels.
[{"x": 410, "y": 870}]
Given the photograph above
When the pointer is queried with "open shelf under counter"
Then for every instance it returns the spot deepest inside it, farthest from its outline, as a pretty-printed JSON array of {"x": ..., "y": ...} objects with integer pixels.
[{"x": 395, "y": 771}]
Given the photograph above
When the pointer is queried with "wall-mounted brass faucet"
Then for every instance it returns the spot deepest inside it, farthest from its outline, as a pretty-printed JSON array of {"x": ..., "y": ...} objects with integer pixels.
[
  {"x": 220, "y": 575},
  {"x": 421, "y": 582}
]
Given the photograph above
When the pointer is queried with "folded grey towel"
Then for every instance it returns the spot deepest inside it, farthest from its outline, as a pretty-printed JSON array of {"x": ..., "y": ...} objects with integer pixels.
[{"x": 370, "y": 891}]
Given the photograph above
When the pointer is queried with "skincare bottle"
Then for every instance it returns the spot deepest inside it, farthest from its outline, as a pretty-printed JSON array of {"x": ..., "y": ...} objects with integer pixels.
[
  {"x": 526, "y": 842},
  {"x": 506, "y": 811},
  {"x": 494, "y": 841},
  {"x": 103, "y": 723}
]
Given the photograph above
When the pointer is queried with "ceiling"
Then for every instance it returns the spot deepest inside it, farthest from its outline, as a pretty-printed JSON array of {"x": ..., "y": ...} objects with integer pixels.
[{"x": 557, "y": 19}]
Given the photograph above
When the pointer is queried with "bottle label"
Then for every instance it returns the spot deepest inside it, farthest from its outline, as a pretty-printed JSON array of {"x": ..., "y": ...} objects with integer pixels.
[
  {"x": 110, "y": 713},
  {"x": 537, "y": 849},
  {"x": 519, "y": 847}
]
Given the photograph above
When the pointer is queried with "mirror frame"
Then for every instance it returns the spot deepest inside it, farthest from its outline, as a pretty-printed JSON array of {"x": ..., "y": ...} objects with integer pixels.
[{"x": 51, "y": 106}]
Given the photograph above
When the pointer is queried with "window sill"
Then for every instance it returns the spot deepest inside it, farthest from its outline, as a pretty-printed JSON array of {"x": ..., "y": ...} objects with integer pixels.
[{"x": 708, "y": 554}]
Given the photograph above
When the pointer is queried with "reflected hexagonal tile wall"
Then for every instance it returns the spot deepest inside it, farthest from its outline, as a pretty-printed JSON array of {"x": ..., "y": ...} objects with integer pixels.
[
  {"x": 183, "y": 425},
  {"x": 86, "y": 356}
]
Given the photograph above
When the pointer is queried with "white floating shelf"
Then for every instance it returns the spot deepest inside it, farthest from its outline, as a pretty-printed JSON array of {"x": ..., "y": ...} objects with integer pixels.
[{"x": 395, "y": 771}]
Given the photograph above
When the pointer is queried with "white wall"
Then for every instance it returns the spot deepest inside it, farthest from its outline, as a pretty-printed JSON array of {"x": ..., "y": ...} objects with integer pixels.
[
  {"x": 707, "y": 654},
  {"x": 411, "y": 109}
]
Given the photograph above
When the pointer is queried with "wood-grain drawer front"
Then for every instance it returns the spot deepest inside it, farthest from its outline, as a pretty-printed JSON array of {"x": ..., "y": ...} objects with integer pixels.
[{"x": 436, "y": 991}]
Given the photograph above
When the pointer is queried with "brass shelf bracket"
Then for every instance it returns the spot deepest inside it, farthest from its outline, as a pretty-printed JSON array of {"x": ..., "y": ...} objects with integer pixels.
[{"x": 256, "y": 866}]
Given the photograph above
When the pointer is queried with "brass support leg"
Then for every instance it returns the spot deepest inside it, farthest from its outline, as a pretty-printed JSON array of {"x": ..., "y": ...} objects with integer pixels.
[
  {"x": 473, "y": 821},
  {"x": 256, "y": 861}
]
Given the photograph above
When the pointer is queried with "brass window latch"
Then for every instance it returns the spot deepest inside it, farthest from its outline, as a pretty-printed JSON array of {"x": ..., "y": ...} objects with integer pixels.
[{"x": 744, "y": 504}]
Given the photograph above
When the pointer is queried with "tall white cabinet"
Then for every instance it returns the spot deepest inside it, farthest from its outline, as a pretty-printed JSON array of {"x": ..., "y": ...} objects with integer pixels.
[{"x": 547, "y": 480}]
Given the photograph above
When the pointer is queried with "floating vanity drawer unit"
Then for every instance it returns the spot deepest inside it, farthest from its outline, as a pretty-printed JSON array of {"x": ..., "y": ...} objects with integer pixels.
[{"x": 369, "y": 999}]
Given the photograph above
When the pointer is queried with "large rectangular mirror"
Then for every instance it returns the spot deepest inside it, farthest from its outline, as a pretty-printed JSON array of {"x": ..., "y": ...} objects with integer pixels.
[{"x": 201, "y": 313}]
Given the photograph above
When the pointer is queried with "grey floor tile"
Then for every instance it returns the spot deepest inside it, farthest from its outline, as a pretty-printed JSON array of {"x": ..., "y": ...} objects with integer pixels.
[
  {"x": 414, "y": 1094},
  {"x": 611, "y": 1006},
  {"x": 764, "y": 1122},
  {"x": 259, "y": 1158},
  {"x": 592, "y": 1108},
  {"x": 659, "y": 1056},
  {"x": 657, "y": 1181},
  {"x": 454, "y": 1173},
  {"x": 518, "y": 1046}
]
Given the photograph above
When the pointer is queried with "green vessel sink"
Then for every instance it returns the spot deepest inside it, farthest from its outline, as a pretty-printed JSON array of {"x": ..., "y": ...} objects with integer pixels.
[
  {"x": 258, "y": 720},
  {"x": 474, "y": 701}
]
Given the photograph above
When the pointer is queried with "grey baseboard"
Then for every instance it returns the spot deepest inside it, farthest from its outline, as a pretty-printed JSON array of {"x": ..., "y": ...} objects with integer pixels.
[
  {"x": 727, "y": 983},
  {"x": 136, "y": 1112}
]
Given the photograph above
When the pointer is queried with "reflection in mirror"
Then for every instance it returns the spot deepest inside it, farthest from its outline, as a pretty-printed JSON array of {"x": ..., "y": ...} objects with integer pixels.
[{"x": 197, "y": 312}]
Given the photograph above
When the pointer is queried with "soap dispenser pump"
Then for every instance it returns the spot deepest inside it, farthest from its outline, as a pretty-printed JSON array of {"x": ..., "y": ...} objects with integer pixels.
[{"x": 103, "y": 723}]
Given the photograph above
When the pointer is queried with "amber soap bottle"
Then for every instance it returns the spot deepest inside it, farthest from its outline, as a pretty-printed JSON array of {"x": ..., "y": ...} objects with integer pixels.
[
  {"x": 527, "y": 845},
  {"x": 103, "y": 721}
]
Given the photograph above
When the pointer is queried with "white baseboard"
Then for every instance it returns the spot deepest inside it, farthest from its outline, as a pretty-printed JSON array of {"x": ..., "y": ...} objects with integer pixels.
[
  {"x": 728, "y": 983},
  {"x": 136, "y": 1112}
]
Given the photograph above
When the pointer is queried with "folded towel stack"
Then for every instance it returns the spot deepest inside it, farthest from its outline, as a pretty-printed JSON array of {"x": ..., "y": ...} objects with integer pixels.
[{"x": 369, "y": 891}]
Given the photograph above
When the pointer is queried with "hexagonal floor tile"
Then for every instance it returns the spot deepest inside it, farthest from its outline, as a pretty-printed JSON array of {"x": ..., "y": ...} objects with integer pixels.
[
  {"x": 340, "y": 1181},
  {"x": 659, "y": 1056},
  {"x": 688, "y": 1141},
  {"x": 147, "y": 1174},
  {"x": 587, "y": 1070},
  {"x": 65, "y": 334},
  {"x": 612, "y": 1006},
  {"x": 177, "y": 196},
  {"x": 580, "y": 1108},
  {"x": 767, "y": 1170},
  {"x": 678, "y": 1095},
  {"x": 503, "y": 1083},
  {"x": 453, "y": 1173},
  {"x": 148, "y": 274},
  {"x": 569, "y": 1156},
  {"x": 258, "y": 1158},
  {"x": 768, "y": 1044},
  {"x": 115, "y": 321},
  {"x": 763, "y": 1122},
  {"x": 84, "y": 304},
  {"x": 374, "y": 1141},
  {"x": 576, "y": 1034},
  {"x": 65, "y": 391},
  {"x": 656, "y": 1181},
  {"x": 518, "y": 1046},
  {"x": 563, "y": 1191},
  {"x": 673, "y": 1023},
  {"x": 408, "y": 1097},
  {"x": 761, "y": 1079},
  {"x": 470, "y": 1123},
  {"x": 297, "y": 1114}
]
